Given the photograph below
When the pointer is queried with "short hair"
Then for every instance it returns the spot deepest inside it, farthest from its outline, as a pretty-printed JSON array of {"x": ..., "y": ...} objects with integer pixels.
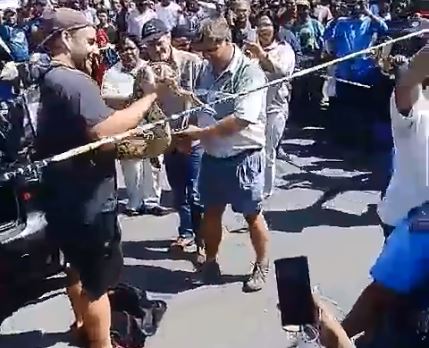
[
  {"x": 122, "y": 40},
  {"x": 102, "y": 10},
  {"x": 215, "y": 30},
  {"x": 240, "y": 3}
]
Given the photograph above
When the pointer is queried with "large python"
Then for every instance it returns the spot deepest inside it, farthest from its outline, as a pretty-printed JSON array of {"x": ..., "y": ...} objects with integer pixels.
[{"x": 150, "y": 144}]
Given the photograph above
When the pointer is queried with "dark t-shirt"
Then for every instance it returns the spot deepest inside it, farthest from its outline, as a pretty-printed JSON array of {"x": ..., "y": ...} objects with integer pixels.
[{"x": 78, "y": 189}]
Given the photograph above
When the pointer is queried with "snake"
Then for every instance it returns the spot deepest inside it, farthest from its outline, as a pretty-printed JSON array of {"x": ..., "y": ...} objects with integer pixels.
[{"x": 151, "y": 144}]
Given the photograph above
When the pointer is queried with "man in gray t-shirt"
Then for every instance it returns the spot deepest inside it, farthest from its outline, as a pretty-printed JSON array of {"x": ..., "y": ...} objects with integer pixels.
[{"x": 81, "y": 204}]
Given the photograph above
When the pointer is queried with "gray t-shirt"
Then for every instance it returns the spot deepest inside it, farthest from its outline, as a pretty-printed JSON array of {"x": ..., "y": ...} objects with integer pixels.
[{"x": 80, "y": 188}]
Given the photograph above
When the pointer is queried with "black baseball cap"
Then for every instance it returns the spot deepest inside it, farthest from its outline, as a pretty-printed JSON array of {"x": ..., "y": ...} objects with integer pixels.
[{"x": 153, "y": 30}]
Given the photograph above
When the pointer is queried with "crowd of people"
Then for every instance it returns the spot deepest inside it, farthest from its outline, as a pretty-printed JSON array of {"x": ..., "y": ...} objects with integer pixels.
[{"x": 86, "y": 56}]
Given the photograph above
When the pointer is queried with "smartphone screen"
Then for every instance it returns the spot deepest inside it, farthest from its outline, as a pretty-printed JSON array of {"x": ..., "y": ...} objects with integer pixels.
[{"x": 294, "y": 290}]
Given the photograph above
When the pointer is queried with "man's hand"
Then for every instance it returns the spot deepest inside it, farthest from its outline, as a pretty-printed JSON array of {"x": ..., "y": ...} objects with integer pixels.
[
  {"x": 255, "y": 50},
  {"x": 366, "y": 11},
  {"x": 332, "y": 335},
  {"x": 148, "y": 80},
  {"x": 191, "y": 133},
  {"x": 399, "y": 60},
  {"x": 151, "y": 83}
]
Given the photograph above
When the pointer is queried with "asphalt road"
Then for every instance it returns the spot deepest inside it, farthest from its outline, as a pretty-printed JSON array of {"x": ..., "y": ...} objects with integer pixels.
[{"x": 323, "y": 207}]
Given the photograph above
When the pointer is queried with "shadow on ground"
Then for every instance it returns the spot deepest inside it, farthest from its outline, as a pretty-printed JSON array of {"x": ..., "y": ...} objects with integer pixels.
[
  {"x": 333, "y": 173},
  {"x": 33, "y": 339},
  {"x": 294, "y": 221},
  {"x": 28, "y": 294},
  {"x": 159, "y": 279}
]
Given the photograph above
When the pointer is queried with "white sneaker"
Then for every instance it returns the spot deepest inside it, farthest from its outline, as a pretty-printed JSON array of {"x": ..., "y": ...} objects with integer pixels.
[{"x": 308, "y": 337}]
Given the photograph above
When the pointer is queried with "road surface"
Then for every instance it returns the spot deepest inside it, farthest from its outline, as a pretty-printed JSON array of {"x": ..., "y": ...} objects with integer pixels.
[{"x": 323, "y": 207}]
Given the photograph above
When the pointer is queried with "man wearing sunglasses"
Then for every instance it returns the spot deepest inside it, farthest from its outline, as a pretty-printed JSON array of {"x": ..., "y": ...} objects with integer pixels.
[{"x": 233, "y": 136}]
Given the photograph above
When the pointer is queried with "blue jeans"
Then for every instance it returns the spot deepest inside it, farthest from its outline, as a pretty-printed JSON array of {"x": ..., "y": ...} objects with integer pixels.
[{"x": 182, "y": 173}]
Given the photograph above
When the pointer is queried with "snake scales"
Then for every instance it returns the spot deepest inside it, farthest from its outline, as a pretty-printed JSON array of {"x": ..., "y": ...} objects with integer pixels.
[{"x": 150, "y": 144}]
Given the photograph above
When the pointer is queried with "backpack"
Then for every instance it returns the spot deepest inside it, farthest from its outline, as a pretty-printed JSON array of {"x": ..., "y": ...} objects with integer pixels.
[
  {"x": 16, "y": 130},
  {"x": 134, "y": 316}
]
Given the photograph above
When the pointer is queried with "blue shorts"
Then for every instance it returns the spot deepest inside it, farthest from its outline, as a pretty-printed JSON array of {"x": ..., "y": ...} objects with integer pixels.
[{"x": 237, "y": 180}]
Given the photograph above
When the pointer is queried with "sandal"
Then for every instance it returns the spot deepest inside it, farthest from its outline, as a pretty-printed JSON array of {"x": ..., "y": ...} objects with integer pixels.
[
  {"x": 200, "y": 256},
  {"x": 182, "y": 244}
]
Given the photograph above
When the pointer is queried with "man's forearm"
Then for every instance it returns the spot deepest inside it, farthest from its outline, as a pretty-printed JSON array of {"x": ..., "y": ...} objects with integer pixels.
[
  {"x": 126, "y": 119},
  {"x": 368, "y": 310},
  {"x": 407, "y": 88},
  {"x": 226, "y": 127}
]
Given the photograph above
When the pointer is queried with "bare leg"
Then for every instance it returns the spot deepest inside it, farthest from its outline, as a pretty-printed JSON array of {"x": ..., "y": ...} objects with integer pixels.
[
  {"x": 74, "y": 291},
  {"x": 212, "y": 230},
  {"x": 259, "y": 236},
  {"x": 97, "y": 320}
]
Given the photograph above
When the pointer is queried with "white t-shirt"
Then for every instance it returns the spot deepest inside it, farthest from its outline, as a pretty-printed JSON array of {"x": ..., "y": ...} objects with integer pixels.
[
  {"x": 282, "y": 57},
  {"x": 137, "y": 20},
  {"x": 170, "y": 14},
  {"x": 409, "y": 185},
  {"x": 119, "y": 84}
]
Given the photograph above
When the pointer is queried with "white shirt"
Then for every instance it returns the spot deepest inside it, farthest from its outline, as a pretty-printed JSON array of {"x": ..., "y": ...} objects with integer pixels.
[
  {"x": 409, "y": 185},
  {"x": 282, "y": 57},
  {"x": 119, "y": 84},
  {"x": 170, "y": 14},
  {"x": 137, "y": 20}
]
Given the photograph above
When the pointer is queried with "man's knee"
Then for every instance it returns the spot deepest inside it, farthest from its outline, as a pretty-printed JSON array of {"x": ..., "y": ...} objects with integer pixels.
[
  {"x": 213, "y": 213},
  {"x": 255, "y": 219},
  {"x": 73, "y": 277}
]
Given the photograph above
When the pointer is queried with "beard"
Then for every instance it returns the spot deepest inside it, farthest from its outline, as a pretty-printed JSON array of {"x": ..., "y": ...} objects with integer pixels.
[{"x": 90, "y": 64}]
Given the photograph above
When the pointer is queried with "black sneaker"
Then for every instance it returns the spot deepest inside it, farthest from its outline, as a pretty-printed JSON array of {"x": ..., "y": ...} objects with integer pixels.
[
  {"x": 282, "y": 155},
  {"x": 258, "y": 277},
  {"x": 132, "y": 212},
  {"x": 157, "y": 210},
  {"x": 208, "y": 274}
]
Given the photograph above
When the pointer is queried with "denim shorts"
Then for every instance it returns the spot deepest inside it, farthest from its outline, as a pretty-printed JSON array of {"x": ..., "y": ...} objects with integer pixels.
[{"x": 236, "y": 180}]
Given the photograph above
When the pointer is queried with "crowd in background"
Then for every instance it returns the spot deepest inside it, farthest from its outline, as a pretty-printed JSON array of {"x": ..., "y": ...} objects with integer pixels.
[{"x": 317, "y": 31}]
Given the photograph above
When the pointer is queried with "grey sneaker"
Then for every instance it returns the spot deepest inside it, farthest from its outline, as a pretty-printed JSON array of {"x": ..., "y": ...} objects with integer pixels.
[
  {"x": 209, "y": 274},
  {"x": 258, "y": 277}
]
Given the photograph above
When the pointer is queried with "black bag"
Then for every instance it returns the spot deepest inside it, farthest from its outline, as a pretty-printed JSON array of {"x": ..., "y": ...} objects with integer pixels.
[
  {"x": 134, "y": 316},
  {"x": 17, "y": 131}
]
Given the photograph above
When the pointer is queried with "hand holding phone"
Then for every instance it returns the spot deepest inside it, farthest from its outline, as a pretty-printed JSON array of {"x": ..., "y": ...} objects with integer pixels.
[{"x": 297, "y": 306}]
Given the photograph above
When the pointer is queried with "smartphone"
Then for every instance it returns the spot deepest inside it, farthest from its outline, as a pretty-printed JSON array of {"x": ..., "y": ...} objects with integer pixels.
[{"x": 294, "y": 290}]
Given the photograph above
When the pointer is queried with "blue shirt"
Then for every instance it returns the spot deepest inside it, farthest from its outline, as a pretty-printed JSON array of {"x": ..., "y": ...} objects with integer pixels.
[
  {"x": 310, "y": 35},
  {"x": 30, "y": 27},
  {"x": 403, "y": 265},
  {"x": 350, "y": 35},
  {"x": 15, "y": 38}
]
